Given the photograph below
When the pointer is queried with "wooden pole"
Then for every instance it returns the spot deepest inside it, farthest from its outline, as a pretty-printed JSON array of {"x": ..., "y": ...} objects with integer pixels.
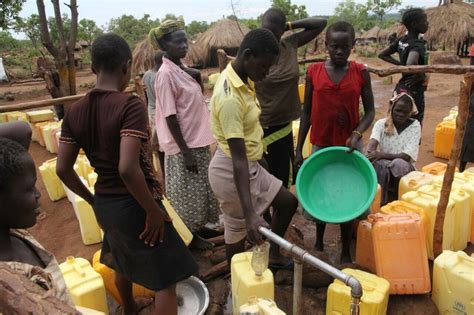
[
  {"x": 463, "y": 112},
  {"x": 49, "y": 102},
  {"x": 421, "y": 69}
]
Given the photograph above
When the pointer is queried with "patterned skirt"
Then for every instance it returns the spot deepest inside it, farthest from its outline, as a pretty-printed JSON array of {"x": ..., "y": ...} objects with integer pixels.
[{"x": 189, "y": 193}]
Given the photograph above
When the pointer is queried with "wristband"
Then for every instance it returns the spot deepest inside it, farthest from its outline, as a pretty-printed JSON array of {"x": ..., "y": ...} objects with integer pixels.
[{"x": 355, "y": 132}]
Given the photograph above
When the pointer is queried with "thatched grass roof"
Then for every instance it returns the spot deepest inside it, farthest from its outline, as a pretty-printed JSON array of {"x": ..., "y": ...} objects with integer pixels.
[
  {"x": 372, "y": 33},
  {"x": 397, "y": 28},
  {"x": 144, "y": 53},
  {"x": 225, "y": 34},
  {"x": 450, "y": 24}
]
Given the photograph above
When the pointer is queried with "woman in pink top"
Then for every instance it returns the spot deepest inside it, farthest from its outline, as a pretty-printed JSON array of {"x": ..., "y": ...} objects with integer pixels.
[{"x": 183, "y": 128}]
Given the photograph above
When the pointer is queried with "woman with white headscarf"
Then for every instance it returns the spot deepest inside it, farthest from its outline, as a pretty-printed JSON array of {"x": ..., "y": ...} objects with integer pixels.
[{"x": 394, "y": 144}]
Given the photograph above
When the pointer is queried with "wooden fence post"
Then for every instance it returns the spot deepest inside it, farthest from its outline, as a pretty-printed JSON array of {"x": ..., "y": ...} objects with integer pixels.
[{"x": 463, "y": 112}]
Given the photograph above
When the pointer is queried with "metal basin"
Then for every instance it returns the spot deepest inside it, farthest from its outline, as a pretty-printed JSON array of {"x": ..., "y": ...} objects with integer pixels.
[{"x": 193, "y": 297}]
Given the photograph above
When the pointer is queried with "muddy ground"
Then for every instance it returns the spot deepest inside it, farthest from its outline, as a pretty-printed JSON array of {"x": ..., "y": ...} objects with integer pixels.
[{"x": 58, "y": 229}]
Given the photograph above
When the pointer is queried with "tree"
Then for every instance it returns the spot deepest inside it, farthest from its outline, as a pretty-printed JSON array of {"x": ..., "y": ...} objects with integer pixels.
[
  {"x": 7, "y": 42},
  {"x": 63, "y": 53},
  {"x": 196, "y": 27},
  {"x": 381, "y": 7},
  {"x": 88, "y": 30},
  {"x": 29, "y": 26},
  {"x": 354, "y": 13},
  {"x": 132, "y": 29},
  {"x": 9, "y": 10},
  {"x": 292, "y": 11}
]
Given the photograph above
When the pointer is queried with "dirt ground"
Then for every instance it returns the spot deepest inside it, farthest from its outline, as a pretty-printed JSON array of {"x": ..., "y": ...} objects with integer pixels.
[{"x": 58, "y": 229}]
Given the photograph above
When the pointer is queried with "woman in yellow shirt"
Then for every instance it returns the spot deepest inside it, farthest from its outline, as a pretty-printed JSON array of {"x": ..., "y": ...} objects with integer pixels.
[{"x": 246, "y": 190}]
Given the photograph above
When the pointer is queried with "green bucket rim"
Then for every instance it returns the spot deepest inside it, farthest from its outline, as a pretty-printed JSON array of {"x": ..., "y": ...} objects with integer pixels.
[{"x": 354, "y": 214}]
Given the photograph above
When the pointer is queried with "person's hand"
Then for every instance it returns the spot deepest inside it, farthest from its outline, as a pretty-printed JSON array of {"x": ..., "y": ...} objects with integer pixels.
[
  {"x": 297, "y": 162},
  {"x": 154, "y": 227},
  {"x": 253, "y": 223},
  {"x": 190, "y": 162},
  {"x": 352, "y": 142},
  {"x": 374, "y": 156}
]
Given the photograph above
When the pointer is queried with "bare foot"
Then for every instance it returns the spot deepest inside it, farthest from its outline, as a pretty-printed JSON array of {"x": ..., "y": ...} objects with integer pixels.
[
  {"x": 201, "y": 243},
  {"x": 140, "y": 303}
]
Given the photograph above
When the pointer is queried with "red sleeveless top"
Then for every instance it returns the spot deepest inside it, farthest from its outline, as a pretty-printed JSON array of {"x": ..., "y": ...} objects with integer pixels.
[{"x": 335, "y": 107}]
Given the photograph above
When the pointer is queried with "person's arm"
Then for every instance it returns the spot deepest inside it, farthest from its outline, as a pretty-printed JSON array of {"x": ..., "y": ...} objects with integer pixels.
[
  {"x": 175, "y": 130},
  {"x": 67, "y": 155},
  {"x": 242, "y": 182},
  {"x": 18, "y": 131},
  {"x": 413, "y": 60},
  {"x": 312, "y": 27},
  {"x": 377, "y": 155},
  {"x": 304, "y": 122},
  {"x": 386, "y": 54},
  {"x": 374, "y": 155},
  {"x": 134, "y": 179},
  {"x": 369, "y": 111},
  {"x": 372, "y": 145}
]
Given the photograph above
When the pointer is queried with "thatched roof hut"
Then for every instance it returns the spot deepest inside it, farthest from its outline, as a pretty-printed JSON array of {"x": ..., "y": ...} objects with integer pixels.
[
  {"x": 373, "y": 33},
  {"x": 450, "y": 24},
  {"x": 144, "y": 53},
  {"x": 226, "y": 34}
]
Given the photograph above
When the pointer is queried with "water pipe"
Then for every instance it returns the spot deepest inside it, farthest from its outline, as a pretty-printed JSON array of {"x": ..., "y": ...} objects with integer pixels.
[{"x": 300, "y": 255}]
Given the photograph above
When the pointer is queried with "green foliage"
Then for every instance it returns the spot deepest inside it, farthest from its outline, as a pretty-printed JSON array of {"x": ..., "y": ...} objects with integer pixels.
[
  {"x": 381, "y": 7},
  {"x": 292, "y": 11},
  {"x": 354, "y": 13},
  {"x": 30, "y": 27},
  {"x": 53, "y": 29},
  {"x": 7, "y": 42},
  {"x": 196, "y": 27},
  {"x": 88, "y": 30},
  {"x": 132, "y": 29},
  {"x": 9, "y": 10}
]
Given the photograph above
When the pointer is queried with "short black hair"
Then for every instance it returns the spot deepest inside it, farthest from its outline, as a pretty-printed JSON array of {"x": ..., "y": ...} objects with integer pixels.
[
  {"x": 274, "y": 16},
  {"x": 10, "y": 160},
  {"x": 411, "y": 16},
  {"x": 260, "y": 41},
  {"x": 109, "y": 51},
  {"x": 341, "y": 26}
]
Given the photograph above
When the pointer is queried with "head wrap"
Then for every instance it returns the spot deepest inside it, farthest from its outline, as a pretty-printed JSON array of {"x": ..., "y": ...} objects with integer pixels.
[
  {"x": 389, "y": 126},
  {"x": 166, "y": 27}
]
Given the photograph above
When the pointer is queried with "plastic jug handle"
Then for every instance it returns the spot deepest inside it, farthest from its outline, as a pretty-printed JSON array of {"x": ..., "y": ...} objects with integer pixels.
[
  {"x": 401, "y": 217},
  {"x": 78, "y": 269},
  {"x": 466, "y": 258}
]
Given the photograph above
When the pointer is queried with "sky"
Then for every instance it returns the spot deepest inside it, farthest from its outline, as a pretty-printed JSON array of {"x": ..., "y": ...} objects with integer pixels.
[{"x": 101, "y": 11}]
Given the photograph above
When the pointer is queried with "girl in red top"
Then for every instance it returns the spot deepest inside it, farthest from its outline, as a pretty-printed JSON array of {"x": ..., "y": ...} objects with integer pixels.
[{"x": 331, "y": 108}]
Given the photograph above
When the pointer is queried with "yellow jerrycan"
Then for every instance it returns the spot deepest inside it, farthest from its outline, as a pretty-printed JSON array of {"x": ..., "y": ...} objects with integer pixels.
[
  {"x": 245, "y": 283},
  {"x": 85, "y": 286},
  {"x": 413, "y": 181},
  {"x": 51, "y": 181},
  {"x": 374, "y": 299},
  {"x": 453, "y": 283},
  {"x": 257, "y": 306}
]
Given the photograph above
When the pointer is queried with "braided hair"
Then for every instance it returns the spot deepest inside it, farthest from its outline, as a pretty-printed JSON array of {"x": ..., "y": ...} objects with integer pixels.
[{"x": 11, "y": 164}]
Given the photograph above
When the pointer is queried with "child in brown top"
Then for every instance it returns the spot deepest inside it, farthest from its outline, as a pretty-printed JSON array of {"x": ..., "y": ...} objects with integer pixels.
[{"x": 140, "y": 243}]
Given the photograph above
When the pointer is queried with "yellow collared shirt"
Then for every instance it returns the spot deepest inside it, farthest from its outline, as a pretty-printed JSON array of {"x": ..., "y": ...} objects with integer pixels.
[{"x": 235, "y": 113}]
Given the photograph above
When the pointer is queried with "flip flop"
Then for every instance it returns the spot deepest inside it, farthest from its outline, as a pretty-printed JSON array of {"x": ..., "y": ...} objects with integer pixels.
[{"x": 288, "y": 266}]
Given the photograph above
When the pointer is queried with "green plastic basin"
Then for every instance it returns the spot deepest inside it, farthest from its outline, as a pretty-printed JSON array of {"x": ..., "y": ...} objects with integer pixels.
[{"x": 335, "y": 186}]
